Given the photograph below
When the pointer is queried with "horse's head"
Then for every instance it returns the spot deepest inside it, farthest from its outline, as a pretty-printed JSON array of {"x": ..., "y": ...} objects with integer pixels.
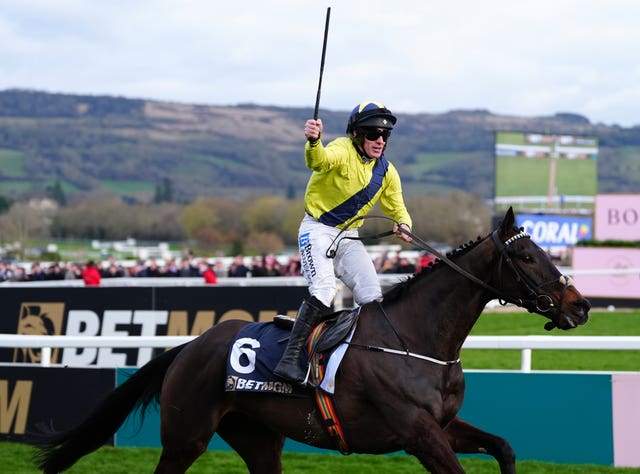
[{"x": 526, "y": 276}]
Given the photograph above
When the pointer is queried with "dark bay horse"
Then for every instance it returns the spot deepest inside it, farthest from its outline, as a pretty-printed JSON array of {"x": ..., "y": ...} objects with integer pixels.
[{"x": 387, "y": 402}]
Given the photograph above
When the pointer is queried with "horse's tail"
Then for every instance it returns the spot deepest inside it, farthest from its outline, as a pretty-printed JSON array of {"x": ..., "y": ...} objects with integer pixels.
[{"x": 58, "y": 451}]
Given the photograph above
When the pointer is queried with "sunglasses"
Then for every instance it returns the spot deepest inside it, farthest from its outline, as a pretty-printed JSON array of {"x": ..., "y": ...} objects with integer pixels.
[{"x": 373, "y": 134}]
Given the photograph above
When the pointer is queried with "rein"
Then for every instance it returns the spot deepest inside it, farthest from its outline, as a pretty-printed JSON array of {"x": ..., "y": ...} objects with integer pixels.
[
  {"x": 331, "y": 251},
  {"x": 539, "y": 302},
  {"x": 534, "y": 301}
]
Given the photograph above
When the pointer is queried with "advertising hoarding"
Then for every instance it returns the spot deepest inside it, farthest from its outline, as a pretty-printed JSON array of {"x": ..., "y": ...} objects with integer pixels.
[
  {"x": 617, "y": 217},
  {"x": 598, "y": 262},
  {"x": 135, "y": 311},
  {"x": 35, "y": 397},
  {"x": 554, "y": 230}
]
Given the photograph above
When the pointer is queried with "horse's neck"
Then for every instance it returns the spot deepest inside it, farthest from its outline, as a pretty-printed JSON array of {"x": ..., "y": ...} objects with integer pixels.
[{"x": 449, "y": 304}]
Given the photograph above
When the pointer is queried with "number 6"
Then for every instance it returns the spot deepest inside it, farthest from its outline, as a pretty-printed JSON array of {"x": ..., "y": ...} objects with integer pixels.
[{"x": 238, "y": 350}]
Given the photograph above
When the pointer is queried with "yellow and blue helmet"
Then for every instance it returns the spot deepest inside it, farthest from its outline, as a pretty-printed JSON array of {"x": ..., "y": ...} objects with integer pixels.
[{"x": 370, "y": 114}]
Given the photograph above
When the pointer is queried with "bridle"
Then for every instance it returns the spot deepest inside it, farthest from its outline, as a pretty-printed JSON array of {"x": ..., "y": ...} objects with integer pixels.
[{"x": 536, "y": 301}]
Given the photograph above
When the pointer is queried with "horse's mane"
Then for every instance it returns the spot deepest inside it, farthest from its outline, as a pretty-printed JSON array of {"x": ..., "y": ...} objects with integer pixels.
[{"x": 399, "y": 289}]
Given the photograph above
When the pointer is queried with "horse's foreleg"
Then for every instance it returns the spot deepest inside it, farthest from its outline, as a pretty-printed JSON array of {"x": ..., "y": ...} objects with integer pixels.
[
  {"x": 429, "y": 443},
  {"x": 466, "y": 438}
]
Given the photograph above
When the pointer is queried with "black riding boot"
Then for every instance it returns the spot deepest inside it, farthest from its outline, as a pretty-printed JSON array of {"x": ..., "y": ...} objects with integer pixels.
[{"x": 309, "y": 314}]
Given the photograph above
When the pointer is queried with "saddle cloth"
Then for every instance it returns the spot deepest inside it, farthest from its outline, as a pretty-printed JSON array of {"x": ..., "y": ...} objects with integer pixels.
[{"x": 258, "y": 347}]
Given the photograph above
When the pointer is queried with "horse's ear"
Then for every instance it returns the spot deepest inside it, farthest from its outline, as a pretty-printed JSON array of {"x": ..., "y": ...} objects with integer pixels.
[
  {"x": 507, "y": 223},
  {"x": 509, "y": 218}
]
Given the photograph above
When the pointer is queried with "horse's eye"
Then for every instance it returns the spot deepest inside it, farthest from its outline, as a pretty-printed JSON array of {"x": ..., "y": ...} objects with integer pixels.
[{"x": 526, "y": 258}]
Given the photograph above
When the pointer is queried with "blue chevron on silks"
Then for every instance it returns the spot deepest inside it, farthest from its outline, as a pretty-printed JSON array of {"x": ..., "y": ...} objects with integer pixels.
[{"x": 349, "y": 208}]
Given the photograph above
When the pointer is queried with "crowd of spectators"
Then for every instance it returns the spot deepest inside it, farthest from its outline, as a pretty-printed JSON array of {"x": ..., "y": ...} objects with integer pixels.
[
  {"x": 189, "y": 266},
  {"x": 398, "y": 263}
]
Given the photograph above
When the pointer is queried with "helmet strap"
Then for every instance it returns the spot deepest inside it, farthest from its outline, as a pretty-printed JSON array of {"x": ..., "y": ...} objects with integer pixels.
[{"x": 357, "y": 138}]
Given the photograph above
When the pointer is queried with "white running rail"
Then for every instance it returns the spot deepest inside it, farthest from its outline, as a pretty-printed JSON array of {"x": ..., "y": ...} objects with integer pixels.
[{"x": 523, "y": 343}]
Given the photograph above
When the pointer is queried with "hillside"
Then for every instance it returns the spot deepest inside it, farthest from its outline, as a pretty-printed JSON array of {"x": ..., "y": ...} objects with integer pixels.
[{"x": 88, "y": 143}]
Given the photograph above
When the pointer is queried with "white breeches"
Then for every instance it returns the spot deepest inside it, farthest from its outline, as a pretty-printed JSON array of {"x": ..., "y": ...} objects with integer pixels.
[{"x": 351, "y": 264}]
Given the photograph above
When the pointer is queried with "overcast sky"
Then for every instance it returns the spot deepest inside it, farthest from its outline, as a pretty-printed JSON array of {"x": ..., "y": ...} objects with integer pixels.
[{"x": 511, "y": 57}]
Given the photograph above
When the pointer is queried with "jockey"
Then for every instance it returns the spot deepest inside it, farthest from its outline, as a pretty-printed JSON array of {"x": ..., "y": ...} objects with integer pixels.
[{"x": 350, "y": 174}]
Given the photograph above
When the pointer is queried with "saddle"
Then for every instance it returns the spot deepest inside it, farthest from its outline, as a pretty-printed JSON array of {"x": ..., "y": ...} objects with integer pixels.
[{"x": 335, "y": 328}]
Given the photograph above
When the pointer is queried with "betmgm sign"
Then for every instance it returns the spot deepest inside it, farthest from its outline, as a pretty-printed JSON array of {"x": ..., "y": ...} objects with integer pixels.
[
  {"x": 30, "y": 396},
  {"x": 130, "y": 311}
]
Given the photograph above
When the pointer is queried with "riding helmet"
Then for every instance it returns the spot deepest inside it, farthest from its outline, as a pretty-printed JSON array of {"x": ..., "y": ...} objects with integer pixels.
[{"x": 370, "y": 114}]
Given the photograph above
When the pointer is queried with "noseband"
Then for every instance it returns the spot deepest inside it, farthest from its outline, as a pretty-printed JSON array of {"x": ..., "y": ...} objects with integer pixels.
[{"x": 535, "y": 301}]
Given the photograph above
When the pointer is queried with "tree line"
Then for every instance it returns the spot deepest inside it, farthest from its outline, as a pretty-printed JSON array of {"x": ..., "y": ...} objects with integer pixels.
[{"x": 252, "y": 225}]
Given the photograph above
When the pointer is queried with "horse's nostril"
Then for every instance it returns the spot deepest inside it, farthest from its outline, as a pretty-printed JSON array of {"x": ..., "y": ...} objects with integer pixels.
[
  {"x": 583, "y": 304},
  {"x": 582, "y": 307}
]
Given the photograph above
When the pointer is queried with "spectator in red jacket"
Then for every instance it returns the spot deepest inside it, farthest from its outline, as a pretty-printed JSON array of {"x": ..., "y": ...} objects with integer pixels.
[
  {"x": 209, "y": 275},
  {"x": 90, "y": 274}
]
